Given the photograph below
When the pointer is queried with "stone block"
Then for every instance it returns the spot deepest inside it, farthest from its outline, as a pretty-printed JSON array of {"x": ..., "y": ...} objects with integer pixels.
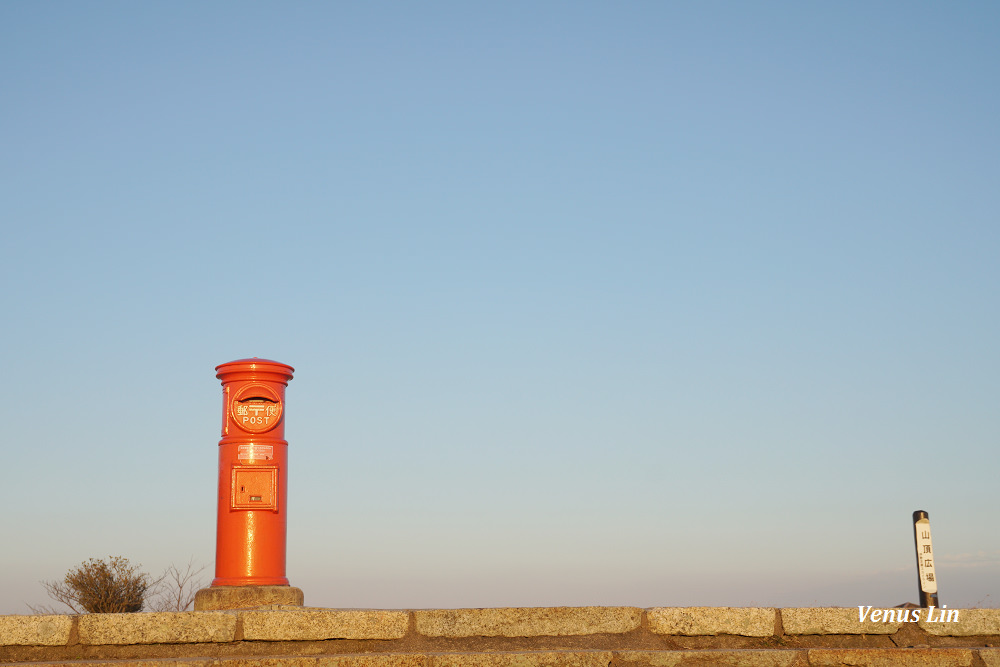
[
  {"x": 690, "y": 621},
  {"x": 567, "y": 658},
  {"x": 527, "y": 622},
  {"x": 255, "y": 661},
  {"x": 246, "y": 597},
  {"x": 311, "y": 625},
  {"x": 833, "y": 621},
  {"x": 990, "y": 656},
  {"x": 971, "y": 622},
  {"x": 890, "y": 657},
  {"x": 137, "y": 662},
  {"x": 170, "y": 627},
  {"x": 49, "y": 630},
  {"x": 724, "y": 657},
  {"x": 373, "y": 660}
]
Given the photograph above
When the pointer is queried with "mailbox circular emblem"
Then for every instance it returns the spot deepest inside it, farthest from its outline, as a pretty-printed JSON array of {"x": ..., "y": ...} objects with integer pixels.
[{"x": 256, "y": 409}]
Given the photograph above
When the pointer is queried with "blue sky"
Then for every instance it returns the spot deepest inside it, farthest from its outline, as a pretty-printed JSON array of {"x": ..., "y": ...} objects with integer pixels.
[{"x": 589, "y": 303}]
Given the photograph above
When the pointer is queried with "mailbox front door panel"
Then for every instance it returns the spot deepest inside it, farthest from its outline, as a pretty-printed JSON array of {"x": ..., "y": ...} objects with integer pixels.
[{"x": 255, "y": 488}]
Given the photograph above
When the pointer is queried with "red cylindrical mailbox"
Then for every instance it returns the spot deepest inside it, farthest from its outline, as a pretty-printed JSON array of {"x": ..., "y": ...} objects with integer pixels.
[{"x": 253, "y": 474}]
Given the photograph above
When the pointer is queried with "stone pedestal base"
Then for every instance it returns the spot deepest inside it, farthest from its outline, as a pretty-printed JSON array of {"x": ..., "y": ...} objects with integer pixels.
[{"x": 245, "y": 597}]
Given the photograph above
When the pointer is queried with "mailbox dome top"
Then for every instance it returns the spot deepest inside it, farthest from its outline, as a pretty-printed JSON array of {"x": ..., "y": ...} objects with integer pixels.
[{"x": 254, "y": 367}]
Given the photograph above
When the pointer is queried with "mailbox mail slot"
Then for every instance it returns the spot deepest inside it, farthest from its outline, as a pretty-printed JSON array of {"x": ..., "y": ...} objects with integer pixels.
[{"x": 256, "y": 408}]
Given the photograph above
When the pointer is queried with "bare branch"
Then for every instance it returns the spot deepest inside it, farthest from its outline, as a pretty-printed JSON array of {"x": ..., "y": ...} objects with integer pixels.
[{"x": 177, "y": 587}]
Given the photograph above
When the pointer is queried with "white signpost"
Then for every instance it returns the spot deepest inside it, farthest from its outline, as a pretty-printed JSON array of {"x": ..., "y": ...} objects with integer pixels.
[{"x": 926, "y": 576}]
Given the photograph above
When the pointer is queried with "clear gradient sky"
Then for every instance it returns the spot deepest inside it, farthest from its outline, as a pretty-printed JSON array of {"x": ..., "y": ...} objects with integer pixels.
[{"x": 643, "y": 303}]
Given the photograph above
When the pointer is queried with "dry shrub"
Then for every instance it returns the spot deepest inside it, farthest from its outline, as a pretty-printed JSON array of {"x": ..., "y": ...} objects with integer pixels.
[{"x": 97, "y": 586}]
